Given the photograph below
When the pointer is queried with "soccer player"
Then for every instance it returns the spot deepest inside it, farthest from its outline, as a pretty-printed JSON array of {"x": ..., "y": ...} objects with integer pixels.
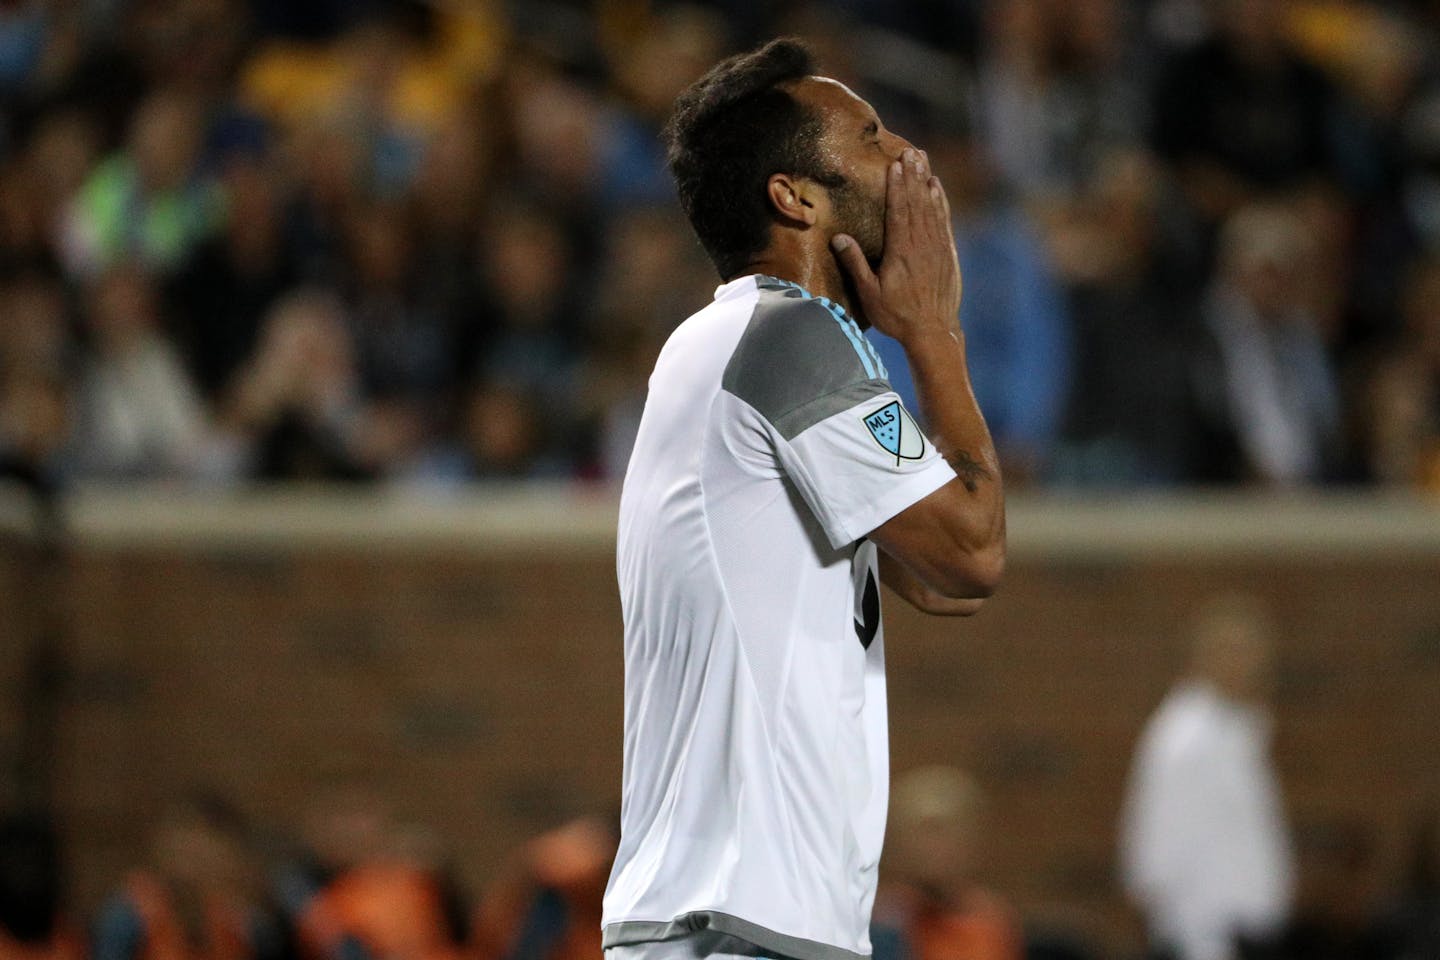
[{"x": 775, "y": 477}]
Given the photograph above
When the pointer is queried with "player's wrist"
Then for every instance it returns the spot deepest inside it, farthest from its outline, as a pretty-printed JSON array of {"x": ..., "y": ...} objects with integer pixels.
[{"x": 931, "y": 338}]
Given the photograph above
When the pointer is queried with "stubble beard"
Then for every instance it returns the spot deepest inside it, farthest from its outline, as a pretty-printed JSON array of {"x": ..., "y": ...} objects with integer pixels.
[{"x": 862, "y": 217}]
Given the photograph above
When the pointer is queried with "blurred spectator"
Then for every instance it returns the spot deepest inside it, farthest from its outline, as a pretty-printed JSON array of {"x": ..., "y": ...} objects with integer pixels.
[
  {"x": 32, "y": 923},
  {"x": 1276, "y": 402},
  {"x": 197, "y": 897},
  {"x": 556, "y": 126},
  {"x": 1017, "y": 330},
  {"x": 1103, "y": 92},
  {"x": 402, "y": 339},
  {"x": 933, "y": 907},
  {"x": 553, "y": 124},
  {"x": 196, "y": 46},
  {"x": 360, "y": 113},
  {"x": 36, "y": 188},
  {"x": 1132, "y": 414},
  {"x": 525, "y": 328},
  {"x": 34, "y": 326},
  {"x": 654, "y": 59},
  {"x": 326, "y": 163},
  {"x": 1381, "y": 63},
  {"x": 296, "y": 404},
  {"x": 546, "y": 904},
  {"x": 479, "y": 182},
  {"x": 1403, "y": 432},
  {"x": 391, "y": 71},
  {"x": 23, "y": 238},
  {"x": 97, "y": 63},
  {"x": 1057, "y": 91},
  {"x": 149, "y": 201},
  {"x": 1015, "y": 75},
  {"x": 34, "y": 425},
  {"x": 447, "y": 206},
  {"x": 1242, "y": 115},
  {"x": 653, "y": 275},
  {"x": 505, "y": 435},
  {"x": 35, "y": 383},
  {"x": 219, "y": 300},
  {"x": 1245, "y": 119},
  {"x": 23, "y": 30},
  {"x": 140, "y": 415},
  {"x": 374, "y": 891},
  {"x": 42, "y": 47},
  {"x": 619, "y": 389},
  {"x": 1204, "y": 848},
  {"x": 1419, "y": 183},
  {"x": 400, "y": 344}
]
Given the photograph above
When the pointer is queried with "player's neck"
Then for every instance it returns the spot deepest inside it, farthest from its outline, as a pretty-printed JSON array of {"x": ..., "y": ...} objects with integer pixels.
[{"x": 815, "y": 270}]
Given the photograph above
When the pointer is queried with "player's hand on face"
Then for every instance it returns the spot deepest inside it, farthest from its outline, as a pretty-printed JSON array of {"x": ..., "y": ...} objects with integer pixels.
[{"x": 915, "y": 293}]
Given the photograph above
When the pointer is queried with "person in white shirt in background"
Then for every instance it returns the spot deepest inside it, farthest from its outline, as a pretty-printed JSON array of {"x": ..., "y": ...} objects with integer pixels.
[
  {"x": 1281, "y": 391},
  {"x": 1205, "y": 851},
  {"x": 140, "y": 414}
]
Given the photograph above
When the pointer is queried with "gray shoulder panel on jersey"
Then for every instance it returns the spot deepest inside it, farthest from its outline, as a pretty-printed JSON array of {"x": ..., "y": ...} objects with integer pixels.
[
  {"x": 646, "y": 931},
  {"x": 798, "y": 363}
]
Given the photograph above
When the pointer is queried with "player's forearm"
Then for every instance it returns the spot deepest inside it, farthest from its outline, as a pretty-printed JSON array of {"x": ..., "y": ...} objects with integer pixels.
[
  {"x": 921, "y": 596},
  {"x": 958, "y": 430}
]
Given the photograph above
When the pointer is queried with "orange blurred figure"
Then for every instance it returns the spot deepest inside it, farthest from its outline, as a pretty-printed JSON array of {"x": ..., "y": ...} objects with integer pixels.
[
  {"x": 195, "y": 899},
  {"x": 547, "y": 905},
  {"x": 934, "y": 908},
  {"x": 384, "y": 899},
  {"x": 393, "y": 909}
]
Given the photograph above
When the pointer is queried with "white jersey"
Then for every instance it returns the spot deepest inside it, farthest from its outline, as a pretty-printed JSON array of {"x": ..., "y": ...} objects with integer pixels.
[{"x": 756, "y": 757}]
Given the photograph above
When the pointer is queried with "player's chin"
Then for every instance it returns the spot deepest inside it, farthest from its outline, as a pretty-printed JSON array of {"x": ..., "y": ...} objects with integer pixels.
[{"x": 872, "y": 244}]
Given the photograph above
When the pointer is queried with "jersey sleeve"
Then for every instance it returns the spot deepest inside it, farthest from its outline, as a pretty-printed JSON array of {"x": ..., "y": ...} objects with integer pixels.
[{"x": 838, "y": 430}]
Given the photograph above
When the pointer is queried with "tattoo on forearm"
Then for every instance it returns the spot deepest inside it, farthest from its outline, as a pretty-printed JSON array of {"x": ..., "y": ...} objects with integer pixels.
[{"x": 971, "y": 471}]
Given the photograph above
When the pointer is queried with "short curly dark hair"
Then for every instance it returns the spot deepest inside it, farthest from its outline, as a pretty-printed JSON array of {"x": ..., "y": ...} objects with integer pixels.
[{"x": 729, "y": 132}]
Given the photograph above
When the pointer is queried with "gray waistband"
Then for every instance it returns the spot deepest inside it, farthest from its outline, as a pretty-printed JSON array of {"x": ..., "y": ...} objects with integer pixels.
[{"x": 628, "y": 932}]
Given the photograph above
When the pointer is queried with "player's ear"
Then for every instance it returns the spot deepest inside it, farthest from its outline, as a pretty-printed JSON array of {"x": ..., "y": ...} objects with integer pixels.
[{"x": 793, "y": 198}]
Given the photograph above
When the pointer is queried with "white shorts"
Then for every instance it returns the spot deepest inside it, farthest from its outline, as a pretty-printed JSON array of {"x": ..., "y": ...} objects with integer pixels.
[{"x": 701, "y": 945}]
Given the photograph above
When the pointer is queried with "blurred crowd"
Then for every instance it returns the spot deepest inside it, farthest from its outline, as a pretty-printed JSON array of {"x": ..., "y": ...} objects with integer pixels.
[
  {"x": 1206, "y": 854},
  {"x": 426, "y": 243},
  {"x": 351, "y": 881}
]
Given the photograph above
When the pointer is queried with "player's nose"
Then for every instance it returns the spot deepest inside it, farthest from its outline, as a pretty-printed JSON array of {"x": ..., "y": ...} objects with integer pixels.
[{"x": 897, "y": 145}]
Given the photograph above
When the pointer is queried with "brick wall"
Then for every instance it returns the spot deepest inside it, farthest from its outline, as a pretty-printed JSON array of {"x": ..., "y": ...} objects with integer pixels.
[{"x": 480, "y": 691}]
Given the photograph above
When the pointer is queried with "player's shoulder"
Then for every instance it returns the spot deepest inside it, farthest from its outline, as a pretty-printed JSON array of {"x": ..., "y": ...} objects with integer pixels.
[{"x": 799, "y": 356}]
